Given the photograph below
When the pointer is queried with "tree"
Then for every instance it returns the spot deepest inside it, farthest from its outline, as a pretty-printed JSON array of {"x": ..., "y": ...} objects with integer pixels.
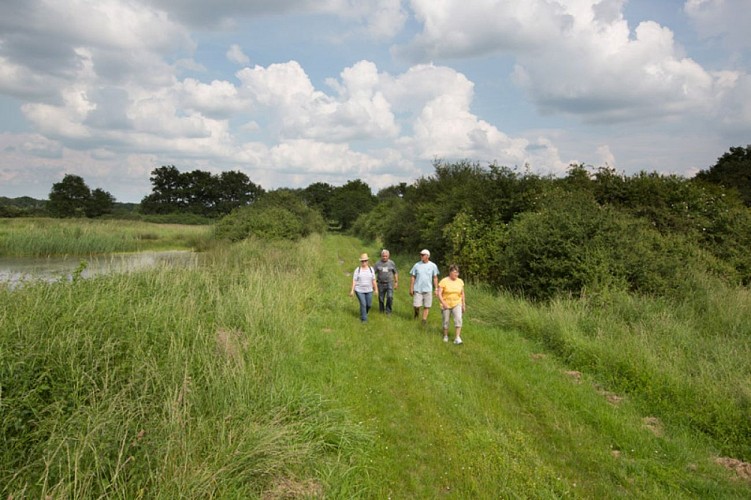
[
  {"x": 100, "y": 203},
  {"x": 198, "y": 192},
  {"x": 732, "y": 170},
  {"x": 396, "y": 191},
  {"x": 349, "y": 201},
  {"x": 166, "y": 195},
  {"x": 236, "y": 190},
  {"x": 69, "y": 197},
  {"x": 318, "y": 196}
]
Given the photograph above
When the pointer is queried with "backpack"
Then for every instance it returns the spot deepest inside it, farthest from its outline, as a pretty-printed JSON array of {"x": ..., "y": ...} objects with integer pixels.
[{"x": 371, "y": 272}]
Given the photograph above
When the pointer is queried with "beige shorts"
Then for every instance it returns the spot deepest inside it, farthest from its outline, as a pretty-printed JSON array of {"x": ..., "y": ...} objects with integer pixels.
[
  {"x": 423, "y": 299},
  {"x": 456, "y": 311}
]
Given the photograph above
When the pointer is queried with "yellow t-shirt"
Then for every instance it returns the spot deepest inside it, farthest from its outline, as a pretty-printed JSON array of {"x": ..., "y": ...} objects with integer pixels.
[{"x": 451, "y": 291}]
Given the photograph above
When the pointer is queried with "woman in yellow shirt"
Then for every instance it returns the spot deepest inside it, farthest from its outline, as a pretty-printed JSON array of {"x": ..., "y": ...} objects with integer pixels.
[{"x": 451, "y": 295}]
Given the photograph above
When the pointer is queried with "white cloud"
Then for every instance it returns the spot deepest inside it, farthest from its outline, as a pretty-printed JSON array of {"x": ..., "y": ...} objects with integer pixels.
[
  {"x": 381, "y": 18},
  {"x": 216, "y": 99},
  {"x": 725, "y": 19},
  {"x": 453, "y": 28},
  {"x": 40, "y": 146},
  {"x": 236, "y": 55},
  {"x": 578, "y": 57},
  {"x": 360, "y": 111}
]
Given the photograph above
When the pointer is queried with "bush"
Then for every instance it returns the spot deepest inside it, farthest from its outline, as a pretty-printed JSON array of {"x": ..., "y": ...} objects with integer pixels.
[
  {"x": 474, "y": 246},
  {"x": 373, "y": 225},
  {"x": 573, "y": 246},
  {"x": 276, "y": 215},
  {"x": 266, "y": 223}
]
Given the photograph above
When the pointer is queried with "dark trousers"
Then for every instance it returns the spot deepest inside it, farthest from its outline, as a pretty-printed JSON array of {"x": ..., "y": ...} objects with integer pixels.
[{"x": 385, "y": 297}]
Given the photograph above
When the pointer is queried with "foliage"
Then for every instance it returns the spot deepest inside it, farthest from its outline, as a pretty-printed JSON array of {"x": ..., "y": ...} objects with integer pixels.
[
  {"x": 318, "y": 196},
  {"x": 501, "y": 226},
  {"x": 474, "y": 246},
  {"x": 100, "y": 203},
  {"x": 71, "y": 197},
  {"x": 490, "y": 196},
  {"x": 347, "y": 202},
  {"x": 732, "y": 171},
  {"x": 573, "y": 245},
  {"x": 198, "y": 192},
  {"x": 371, "y": 226},
  {"x": 23, "y": 206},
  {"x": 708, "y": 215},
  {"x": 279, "y": 214}
]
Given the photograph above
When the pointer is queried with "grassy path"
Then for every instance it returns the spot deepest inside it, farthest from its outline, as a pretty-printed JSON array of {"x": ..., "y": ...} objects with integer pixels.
[
  {"x": 250, "y": 376},
  {"x": 493, "y": 418}
]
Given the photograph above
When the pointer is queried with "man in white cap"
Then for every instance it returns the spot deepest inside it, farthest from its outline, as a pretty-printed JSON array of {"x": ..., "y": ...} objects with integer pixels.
[{"x": 422, "y": 283}]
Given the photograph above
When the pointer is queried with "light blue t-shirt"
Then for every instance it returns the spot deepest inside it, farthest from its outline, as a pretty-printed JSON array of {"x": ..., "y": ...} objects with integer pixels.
[{"x": 423, "y": 273}]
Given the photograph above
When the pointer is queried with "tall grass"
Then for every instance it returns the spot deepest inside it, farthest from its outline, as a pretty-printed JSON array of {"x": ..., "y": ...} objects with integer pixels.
[
  {"x": 166, "y": 384},
  {"x": 40, "y": 237},
  {"x": 688, "y": 361},
  {"x": 250, "y": 375}
]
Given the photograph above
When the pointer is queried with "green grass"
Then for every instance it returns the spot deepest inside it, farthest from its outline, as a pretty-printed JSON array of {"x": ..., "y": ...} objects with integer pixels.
[
  {"x": 498, "y": 416},
  {"x": 41, "y": 237},
  {"x": 251, "y": 376}
]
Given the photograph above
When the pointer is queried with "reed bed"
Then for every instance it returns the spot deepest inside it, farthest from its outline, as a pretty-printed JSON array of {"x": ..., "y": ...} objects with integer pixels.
[{"x": 42, "y": 237}]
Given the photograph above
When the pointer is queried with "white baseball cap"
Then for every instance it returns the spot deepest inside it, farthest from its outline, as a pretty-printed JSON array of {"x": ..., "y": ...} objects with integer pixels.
[{"x": 425, "y": 252}]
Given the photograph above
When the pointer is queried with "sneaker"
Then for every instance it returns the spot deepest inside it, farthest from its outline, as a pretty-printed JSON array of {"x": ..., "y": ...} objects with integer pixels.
[
  {"x": 458, "y": 341},
  {"x": 424, "y": 322},
  {"x": 445, "y": 338}
]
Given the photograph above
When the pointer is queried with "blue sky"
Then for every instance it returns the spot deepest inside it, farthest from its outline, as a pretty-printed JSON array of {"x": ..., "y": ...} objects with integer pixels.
[{"x": 293, "y": 92}]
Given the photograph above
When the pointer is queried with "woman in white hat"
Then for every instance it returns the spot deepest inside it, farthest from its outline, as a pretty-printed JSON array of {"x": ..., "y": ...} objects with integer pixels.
[{"x": 364, "y": 284}]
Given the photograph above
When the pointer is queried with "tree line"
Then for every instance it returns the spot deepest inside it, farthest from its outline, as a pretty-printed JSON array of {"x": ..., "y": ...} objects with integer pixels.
[
  {"x": 206, "y": 196},
  {"x": 593, "y": 229}
]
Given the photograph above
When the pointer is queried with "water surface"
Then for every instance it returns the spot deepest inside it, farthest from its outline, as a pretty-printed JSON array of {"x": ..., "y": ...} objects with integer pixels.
[{"x": 49, "y": 269}]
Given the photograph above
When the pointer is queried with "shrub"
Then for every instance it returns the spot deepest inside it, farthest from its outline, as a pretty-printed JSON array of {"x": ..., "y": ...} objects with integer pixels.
[
  {"x": 474, "y": 245},
  {"x": 266, "y": 223},
  {"x": 279, "y": 214},
  {"x": 573, "y": 245}
]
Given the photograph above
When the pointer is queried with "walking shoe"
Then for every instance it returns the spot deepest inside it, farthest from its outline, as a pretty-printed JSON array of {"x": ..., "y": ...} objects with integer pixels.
[
  {"x": 458, "y": 341},
  {"x": 424, "y": 323},
  {"x": 445, "y": 338}
]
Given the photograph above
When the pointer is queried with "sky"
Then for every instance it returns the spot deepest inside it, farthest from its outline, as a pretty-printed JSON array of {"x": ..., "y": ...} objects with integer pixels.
[{"x": 292, "y": 92}]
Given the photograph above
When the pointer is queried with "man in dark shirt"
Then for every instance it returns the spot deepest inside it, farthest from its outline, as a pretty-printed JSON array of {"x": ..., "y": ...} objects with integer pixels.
[{"x": 388, "y": 281}]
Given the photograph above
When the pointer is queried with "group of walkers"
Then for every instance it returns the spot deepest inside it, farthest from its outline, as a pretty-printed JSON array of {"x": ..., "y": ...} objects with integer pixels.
[{"x": 382, "y": 279}]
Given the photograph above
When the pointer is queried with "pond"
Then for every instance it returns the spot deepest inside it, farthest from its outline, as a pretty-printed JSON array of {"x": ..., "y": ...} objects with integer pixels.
[{"x": 14, "y": 271}]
